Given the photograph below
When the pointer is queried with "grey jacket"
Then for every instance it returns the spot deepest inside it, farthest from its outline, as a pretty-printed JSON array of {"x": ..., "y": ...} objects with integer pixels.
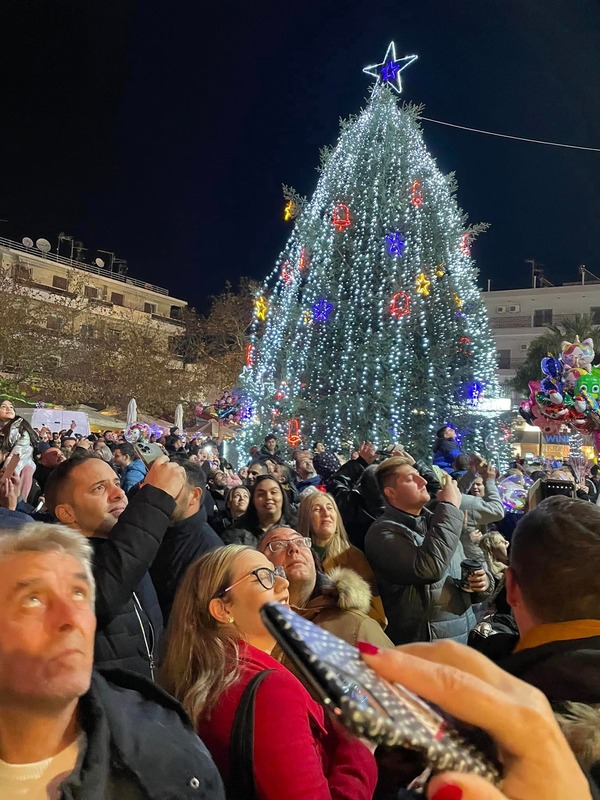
[
  {"x": 482, "y": 510},
  {"x": 416, "y": 561}
]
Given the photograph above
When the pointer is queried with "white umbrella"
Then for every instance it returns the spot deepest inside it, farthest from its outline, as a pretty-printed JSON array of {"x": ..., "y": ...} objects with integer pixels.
[
  {"x": 131, "y": 412},
  {"x": 179, "y": 417}
]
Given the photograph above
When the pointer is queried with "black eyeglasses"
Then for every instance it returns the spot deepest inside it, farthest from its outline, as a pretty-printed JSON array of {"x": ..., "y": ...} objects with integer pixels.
[{"x": 264, "y": 575}]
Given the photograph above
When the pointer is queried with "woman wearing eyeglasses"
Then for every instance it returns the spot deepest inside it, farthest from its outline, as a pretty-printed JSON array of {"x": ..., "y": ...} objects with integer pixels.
[{"x": 216, "y": 644}]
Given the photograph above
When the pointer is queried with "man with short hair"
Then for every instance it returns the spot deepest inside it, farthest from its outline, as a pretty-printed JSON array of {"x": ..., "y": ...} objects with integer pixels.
[
  {"x": 217, "y": 487},
  {"x": 85, "y": 495},
  {"x": 133, "y": 469},
  {"x": 255, "y": 469},
  {"x": 306, "y": 475},
  {"x": 187, "y": 538},
  {"x": 553, "y": 588},
  {"x": 416, "y": 557},
  {"x": 338, "y": 602},
  {"x": 270, "y": 450},
  {"x": 66, "y": 731}
]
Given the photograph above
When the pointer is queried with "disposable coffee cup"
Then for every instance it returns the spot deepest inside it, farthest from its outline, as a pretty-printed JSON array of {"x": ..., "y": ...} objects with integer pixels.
[{"x": 468, "y": 567}]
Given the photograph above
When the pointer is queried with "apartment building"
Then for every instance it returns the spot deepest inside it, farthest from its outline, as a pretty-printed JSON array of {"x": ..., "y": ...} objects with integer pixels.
[
  {"x": 519, "y": 315},
  {"x": 100, "y": 300}
]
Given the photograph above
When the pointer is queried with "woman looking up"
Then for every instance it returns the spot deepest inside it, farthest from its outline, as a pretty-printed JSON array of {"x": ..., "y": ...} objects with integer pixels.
[
  {"x": 319, "y": 519},
  {"x": 216, "y": 644}
]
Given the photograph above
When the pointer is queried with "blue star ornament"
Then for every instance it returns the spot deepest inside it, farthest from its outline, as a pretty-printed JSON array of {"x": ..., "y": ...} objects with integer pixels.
[{"x": 388, "y": 71}]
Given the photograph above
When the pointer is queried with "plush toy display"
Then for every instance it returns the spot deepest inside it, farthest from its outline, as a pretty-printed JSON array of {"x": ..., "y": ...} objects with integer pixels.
[{"x": 569, "y": 392}]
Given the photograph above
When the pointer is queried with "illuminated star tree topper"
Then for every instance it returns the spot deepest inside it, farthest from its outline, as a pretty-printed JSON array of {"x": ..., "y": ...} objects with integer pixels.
[{"x": 388, "y": 71}]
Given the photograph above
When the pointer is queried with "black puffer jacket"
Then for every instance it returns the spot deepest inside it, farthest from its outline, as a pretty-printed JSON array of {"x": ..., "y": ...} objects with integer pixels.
[
  {"x": 129, "y": 621},
  {"x": 183, "y": 543},
  {"x": 140, "y": 745}
]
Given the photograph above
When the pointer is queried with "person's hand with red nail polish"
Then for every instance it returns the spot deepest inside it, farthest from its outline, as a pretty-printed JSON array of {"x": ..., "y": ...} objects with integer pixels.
[{"x": 537, "y": 760}]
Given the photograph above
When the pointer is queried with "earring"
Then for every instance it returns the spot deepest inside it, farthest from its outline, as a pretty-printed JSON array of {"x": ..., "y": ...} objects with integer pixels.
[{"x": 230, "y": 620}]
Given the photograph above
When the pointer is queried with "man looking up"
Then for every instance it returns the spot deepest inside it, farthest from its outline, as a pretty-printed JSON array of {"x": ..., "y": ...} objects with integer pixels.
[
  {"x": 133, "y": 468},
  {"x": 416, "y": 557},
  {"x": 186, "y": 539},
  {"x": 65, "y": 731},
  {"x": 85, "y": 495}
]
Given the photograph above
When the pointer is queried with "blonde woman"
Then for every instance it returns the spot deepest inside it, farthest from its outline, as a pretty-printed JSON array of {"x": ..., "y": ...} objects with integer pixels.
[
  {"x": 495, "y": 549},
  {"x": 319, "y": 519},
  {"x": 217, "y": 644}
]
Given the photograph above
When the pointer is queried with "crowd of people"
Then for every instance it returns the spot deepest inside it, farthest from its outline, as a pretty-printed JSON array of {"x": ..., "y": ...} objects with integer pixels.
[{"x": 134, "y": 662}]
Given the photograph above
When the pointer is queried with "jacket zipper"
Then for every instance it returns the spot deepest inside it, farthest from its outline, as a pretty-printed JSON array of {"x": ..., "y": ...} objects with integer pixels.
[{"x": 149, "y": 649}]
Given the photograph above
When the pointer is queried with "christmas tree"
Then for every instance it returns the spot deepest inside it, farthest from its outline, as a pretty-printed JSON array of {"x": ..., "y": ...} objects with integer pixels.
[{"x": 371, "y": 325}]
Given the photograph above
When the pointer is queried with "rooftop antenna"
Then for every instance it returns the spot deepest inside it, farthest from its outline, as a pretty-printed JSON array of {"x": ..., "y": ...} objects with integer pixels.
[
  {"x": 43, "y": 245},
  {"x": 99, "y": 262},
  {"x": 121, "y": 266},
  {"x": 585, "y": 271},
  {"x": 63, "y": 237},
  {"x": 79, "y": 249}
]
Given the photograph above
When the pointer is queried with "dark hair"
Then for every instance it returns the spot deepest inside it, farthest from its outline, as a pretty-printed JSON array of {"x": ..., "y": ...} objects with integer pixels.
[
  {"x": 270, "y": 436},
  {"x": 249, "y": 519},
  {"x": 57, "y": 481},
  {"x": 22, "y": 424},
  {"x": 461, "y": 462},
  {"x": 537, "y": 475},
  {"x": 194, "y": 474},
  {"x": 258, "y": 463},
  {"x": 553, "y": 558},
  {"x": 127, "y": 450},
  {"x": 316, "y": 443},
  {"x": 440, "y": 431}
]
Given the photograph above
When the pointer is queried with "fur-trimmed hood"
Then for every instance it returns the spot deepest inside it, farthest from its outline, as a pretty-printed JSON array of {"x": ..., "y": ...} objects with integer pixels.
[
  {"x": 342, "y": 588},
  {"x": 580, "y": 724}
]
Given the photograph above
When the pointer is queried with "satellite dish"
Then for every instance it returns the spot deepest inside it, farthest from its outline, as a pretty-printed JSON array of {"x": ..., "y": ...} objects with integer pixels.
[
  {"x": 43, "y": 245},
  {"x": 27, "y": 242},
  {"x": 99, "y": 262}
]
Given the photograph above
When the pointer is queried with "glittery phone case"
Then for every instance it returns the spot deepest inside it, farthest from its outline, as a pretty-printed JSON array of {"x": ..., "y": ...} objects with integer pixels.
[{"x": 373, "y": 708}]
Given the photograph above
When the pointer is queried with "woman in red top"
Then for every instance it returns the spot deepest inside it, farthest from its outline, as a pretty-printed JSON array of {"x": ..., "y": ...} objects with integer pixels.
[{"x": 216, "y": 644}]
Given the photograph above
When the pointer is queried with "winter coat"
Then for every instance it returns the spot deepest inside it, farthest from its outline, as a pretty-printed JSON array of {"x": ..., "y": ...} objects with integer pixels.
[
  {"x": 340, "y": 604},
  {"x": 481, "y": 510},
  {"x": 133, "y": 474},
  {"x": 304, "y": 483},
  {"x": 358, "y": 498},
  {"x": 355, "y": 559},
  {"x": 298, "y": 753},
  {"x": 183, "y": 543},
  {"x": 416, "y": 561},
  {"x": 139, "y": 745},
  {"x": 264, "y": 454},
  {"x": 445, "y": 453},
  {"x": 129, "y": 622}
]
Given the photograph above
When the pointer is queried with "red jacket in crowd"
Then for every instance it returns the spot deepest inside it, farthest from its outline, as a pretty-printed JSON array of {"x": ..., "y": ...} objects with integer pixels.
[{"x": 298, "y": 753}]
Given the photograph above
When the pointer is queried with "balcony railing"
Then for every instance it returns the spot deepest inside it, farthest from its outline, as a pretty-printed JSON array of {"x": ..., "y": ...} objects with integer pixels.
[{"x": 67, "y": 262}]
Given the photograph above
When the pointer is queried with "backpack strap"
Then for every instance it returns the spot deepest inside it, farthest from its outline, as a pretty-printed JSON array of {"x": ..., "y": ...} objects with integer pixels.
[{"x": 241, "y": 746}]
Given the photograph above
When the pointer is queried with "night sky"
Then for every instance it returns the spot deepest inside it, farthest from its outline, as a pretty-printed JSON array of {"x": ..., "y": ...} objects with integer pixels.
[{"x": 163, "y": 131}]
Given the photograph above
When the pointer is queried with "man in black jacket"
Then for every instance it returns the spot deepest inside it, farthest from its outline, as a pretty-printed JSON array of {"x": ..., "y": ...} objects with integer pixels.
[
  {"x": 66, "y": 731},
  {"x": 186, "y": 539},
  {"x": 416, "y": 557},
  {"x": 85, "y": 495},
  {"x": 553, "y": 588}
]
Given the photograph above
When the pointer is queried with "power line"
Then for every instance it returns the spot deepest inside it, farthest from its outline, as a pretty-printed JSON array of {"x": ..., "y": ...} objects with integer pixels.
[{"x": 516, "y": 138}]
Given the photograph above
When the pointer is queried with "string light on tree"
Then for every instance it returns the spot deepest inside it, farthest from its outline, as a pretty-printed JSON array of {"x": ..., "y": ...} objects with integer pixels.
[
  {"x": 287, "y": 273},
  {"x": 250, "y": 355}
]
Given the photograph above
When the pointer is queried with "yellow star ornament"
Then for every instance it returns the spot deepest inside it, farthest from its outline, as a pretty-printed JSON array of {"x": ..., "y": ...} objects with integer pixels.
[
  {"x": 261, "y": 306},
  {"x": 423, "y": 284}
]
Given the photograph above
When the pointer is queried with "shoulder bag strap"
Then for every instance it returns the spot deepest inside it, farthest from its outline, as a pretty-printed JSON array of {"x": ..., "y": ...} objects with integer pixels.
[{"x": 241, "y": 747}]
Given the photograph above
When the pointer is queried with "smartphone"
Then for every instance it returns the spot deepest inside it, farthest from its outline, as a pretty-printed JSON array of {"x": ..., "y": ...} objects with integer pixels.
[
  {"x": 9, "y": 467},
  {"x": 148, "y": 452},
  {"x": 371, "y": 707}
]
